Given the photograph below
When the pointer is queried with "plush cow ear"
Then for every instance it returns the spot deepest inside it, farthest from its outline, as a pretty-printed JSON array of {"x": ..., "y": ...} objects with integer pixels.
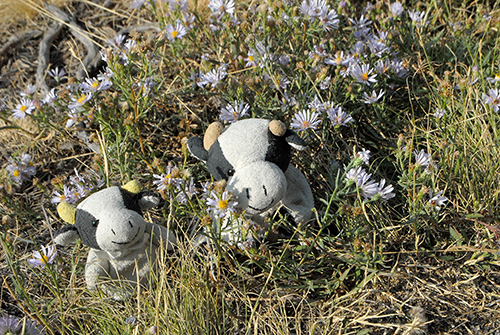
[
  {"x": 212, "y": 134},
  {"x": 66, "y": 212},
  {"x": 67, "y": 235},
  {"x": 133, "y": 187},
  {"x": 195, "y": 147},
  {"x": 294, "y": 140},
  {"x": 277, "y": 128},
  {"x": 148, "y": 201}
]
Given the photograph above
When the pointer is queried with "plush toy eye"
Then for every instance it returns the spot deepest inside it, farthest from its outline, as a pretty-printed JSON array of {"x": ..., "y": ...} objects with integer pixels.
[
  {"x": 95, "y": 223},
  {"x": 230, "y": 172}
]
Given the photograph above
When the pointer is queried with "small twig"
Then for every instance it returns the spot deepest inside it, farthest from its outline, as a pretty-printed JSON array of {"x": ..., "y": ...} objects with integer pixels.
[{"x": 44, "y": 55}]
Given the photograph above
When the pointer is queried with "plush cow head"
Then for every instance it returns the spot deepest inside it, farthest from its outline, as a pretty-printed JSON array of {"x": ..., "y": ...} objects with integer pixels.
[
  {"x": 252, "y": 155},
  {"x": 109, "y": 220}
]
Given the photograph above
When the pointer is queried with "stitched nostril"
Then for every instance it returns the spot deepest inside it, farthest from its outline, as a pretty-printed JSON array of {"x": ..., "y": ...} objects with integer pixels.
[
  {"x": 113, "y": 231},
  {"x": 131, "y": 225},
  {"x": 248, "y": 193},
  {"x": 265, "y": 190}
]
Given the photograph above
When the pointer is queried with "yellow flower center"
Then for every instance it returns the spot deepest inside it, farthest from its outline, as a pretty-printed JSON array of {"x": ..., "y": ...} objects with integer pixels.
[
  {"x": 166, "y": 180},
  {"x": 81, "y": 99},
  {"x": 364, "y": 76},
  {"x": 223, "y": 204},
  {"x": 16, "y": 173},
  {"x": 497, "y": 76},
  {"x": 250, "y": 58},
  {"x": 23, "y": 108},
  {"x": 175, "y": 33},
  {"x": 306, "y": 124},
  {"x": 95, "y": 84},
  {"x": 496, "y": 101}
]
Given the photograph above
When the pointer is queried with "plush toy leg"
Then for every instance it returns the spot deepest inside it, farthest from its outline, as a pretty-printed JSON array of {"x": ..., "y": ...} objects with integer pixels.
[
  {"x": 160, "y": 234},
  {"x": 97, "y": 273},
  {"x": 298, "y": 198},
  {"x": 97, "y": 267}
]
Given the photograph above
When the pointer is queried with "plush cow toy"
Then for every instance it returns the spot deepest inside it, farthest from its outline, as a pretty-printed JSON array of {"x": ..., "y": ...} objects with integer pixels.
[
  {"x": 253, "y": 156},
  {"x": 122, "y": 244}
]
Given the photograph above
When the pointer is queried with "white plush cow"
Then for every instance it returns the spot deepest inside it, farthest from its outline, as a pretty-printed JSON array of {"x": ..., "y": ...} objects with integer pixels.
[
  {"x": 123, "y": 246},
  {"x": 253, "y": 156}
]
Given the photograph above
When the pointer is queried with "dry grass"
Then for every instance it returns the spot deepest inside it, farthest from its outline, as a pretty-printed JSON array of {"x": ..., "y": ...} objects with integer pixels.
[{"x": 454, "y": 291}]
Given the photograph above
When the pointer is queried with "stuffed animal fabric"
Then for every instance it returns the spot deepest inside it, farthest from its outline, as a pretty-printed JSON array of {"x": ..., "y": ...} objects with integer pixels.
[
  {"x": 123, "y": 246},
  {"x": 253, "y": 156}
]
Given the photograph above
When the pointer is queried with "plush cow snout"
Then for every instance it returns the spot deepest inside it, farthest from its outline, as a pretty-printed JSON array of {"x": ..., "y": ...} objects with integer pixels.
[
  {"x": 117, "y": 231},
  {"x": 258, "y": 186}
]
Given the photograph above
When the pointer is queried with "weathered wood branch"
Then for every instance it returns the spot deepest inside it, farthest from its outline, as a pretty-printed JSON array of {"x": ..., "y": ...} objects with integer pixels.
[
  {"x": 44, "y": 55},
  {"x": 81, "y": 36}
]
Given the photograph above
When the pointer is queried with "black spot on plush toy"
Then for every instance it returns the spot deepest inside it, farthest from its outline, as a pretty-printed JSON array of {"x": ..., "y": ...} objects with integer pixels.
[
  {"x": 122, "y": 244},
  {"x": 253, "y": 156}
]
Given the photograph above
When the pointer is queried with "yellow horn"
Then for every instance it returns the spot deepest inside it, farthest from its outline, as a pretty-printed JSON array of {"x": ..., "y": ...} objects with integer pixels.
[
  {"x": 133, "y": 187},
  {"x": 67, "y": 212},
  {"x": 211, "y": 135},
  {"x": 277, "y": 128}
]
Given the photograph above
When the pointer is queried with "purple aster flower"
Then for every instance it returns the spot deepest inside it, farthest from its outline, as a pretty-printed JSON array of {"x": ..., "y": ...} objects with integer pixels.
[
  {"x": 26, "y": 106},
  {"x": 166, "y": 180},
  {"x": 176, "y": 31},
  {"x": 437, "y": 201},
  {"x": 339, "y": 117},
  {"x": 234, "y": 112},
  {"x": 221, "y": 205},
  {"x": 492, "y": 98},
  {"x": 305, "y": 119},
  {"x": 47, "y": 256}
]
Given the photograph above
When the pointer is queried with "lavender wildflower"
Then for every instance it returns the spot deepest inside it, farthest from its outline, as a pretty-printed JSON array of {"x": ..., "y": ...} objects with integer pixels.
[
  {"x": 221, "y": 205},
  {"x": 492, "y": 98},
  {"x": 439, "y": 113},
  {"x": 364, "y": 155},
  {"x": 234, "y": 112},
  {"x": 29, "y": 91},
  {"x": 10, "y": 325},
  {"x": 437, "y": 201},
  {"x": 387, "y": 192},
  {"x": 373, "y": 98},
  {"x": 57, "y": 74},
  {"x": 21, "y": 169},
  {"x": 220, "y": 7},
  {"x": 416, "y": 16},
  {"x": 186, "y": 192},
  {"x": 339, "y": 117},
  {"x": 214, "y": 77},
  {"x": 397, "y": 8},
  {"x": 26, "y": 106},
  {"x": 79, "y": 102},
  {"x": 422, "y": 159},
  {"x": 167, "y": 180},
  {"x": 175, "y": 32},
  {"x": 305, "y": 119},
  {"x": 362, "y": 74},
  {"x": 47, "y": 256},
  {"x": 494, "y": 79}
]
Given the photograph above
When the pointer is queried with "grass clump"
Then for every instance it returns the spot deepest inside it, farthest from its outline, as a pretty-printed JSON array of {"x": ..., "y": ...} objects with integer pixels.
[{"x": 398, "y": 104}]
